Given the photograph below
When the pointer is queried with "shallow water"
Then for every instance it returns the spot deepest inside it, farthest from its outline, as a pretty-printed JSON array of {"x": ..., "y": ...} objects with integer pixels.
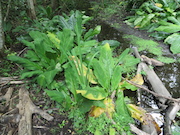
[{"x": 169, "y": 73}]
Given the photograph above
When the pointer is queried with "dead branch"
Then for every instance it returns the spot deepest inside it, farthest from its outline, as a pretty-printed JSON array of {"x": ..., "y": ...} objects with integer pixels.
[
  {"x": 137, "y": 130},
  {"x": 10, "y": 80},
  {"x": 12, "y": 118},
  {"x": 7, "y": 96},
  {"x": 150, "y": 91},
  {"x": 151, "y": 61}
]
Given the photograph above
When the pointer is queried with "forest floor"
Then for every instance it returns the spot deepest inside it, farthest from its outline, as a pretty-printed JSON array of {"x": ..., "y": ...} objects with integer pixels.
[{"x": 60, "y": 125}]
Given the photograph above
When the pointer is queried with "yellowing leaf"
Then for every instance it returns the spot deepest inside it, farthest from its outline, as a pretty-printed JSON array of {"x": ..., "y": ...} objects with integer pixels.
[
  {"x": 109, "y": 106},
  {"x": 145, "y": 118},
  {"x": 138, "y": 79},
  {"x": 107, "y": 46},
  {"x": 85, "y": 71},
  {"x": 137, "y": 112},
  {"x": 93, "y": 93},
  {"x": 159, "y": 5},
  {"x": 54, "y": 39},
  {"x": 109, "y": 109},
  {"x": 96, "y": 111}
]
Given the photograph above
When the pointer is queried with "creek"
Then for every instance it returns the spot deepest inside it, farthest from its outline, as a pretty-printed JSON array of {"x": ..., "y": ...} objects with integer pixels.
[{"x": 169, "y": 73}]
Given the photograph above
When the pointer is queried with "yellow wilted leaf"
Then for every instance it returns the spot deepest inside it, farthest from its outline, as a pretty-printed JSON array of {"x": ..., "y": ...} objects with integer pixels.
[
  {"x": 89, "y": 95},
  {"x": 141, "y": 115},
  {"x": 137, "y": 26},
  {"x": 109, "y": 106},
  {"x": 109, "y": 109},
  {"x": 93, "y": 93},
  {"x": 86, "y": 72},
  {"x": 96, "y": 111},
  {"x": 138, "y": 79},
  {"x": 137, "y": 112},
  {"x": 159, "y": 5}
]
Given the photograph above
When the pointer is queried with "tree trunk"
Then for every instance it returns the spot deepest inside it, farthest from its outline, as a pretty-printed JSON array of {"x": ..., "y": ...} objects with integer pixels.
[
  {"x": 31, "y": 9},
  {"x": 1, "y": 30},
  {"x": 54, "y": 4}
]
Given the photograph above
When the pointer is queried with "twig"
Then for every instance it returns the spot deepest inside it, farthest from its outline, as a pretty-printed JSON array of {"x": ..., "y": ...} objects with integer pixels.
[
  {"x": 137, "y": 130},
  {"x": 155, "y": 94},
  {"x": 8, "y": 7},
  {"x": 10, "y": 80},
  {"x": 22, "y": 51}
]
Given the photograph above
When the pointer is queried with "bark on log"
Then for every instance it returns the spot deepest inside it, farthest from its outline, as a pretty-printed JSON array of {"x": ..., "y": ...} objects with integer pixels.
[
  {"x": 156, "y": 83},
  {"x": 160, "y": 89},
  {"x": 170, "y": 116}
]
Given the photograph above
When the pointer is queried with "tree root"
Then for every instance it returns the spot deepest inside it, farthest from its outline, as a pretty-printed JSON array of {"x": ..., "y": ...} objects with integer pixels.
[
  {"x": 25, "y": 106},
  {"x": 26, "y": 109}
]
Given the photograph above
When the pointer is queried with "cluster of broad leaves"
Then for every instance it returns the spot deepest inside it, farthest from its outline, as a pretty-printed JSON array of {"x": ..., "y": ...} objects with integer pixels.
[
  {"x": 75, "y": 70},
  {"x": 162, "y": 18}
]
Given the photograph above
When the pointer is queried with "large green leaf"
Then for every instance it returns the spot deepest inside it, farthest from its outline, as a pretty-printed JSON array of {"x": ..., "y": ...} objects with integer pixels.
[
  {"x": 93, "y": 93},
  {"x": 174, "y": 41},
  {"x": 31, "y": 73},
  {"x": 121, "y": 107},
  {"x": 55, "y": 95},
  {"x": 127, "y": 85},
  {"x": 138, "y": 20},
  {"x": 64, "y": 24},
  {"x": 100, "y": 74},
  {"x": 41, "y": 43},
  {"x": 41, "y": 80},
  {"x": 85, "y": 48},
  {"x": 78, "y": 26},
  {"x": 116, "y": 78},
  {"x": 147, "y": 20},
  {"x": 106, "y": 60},
  {"x": 71, "y": 80},
  {"x": 31, "y": 55},
  {"x": 169, "y": 28},
  {"x": 60, "y": 97},
  {"x": 91, "y": 33},
  {"x": 29, "y": 44},
  {"x": 66, "y": 37},
  {"x": 112, "y": 43},
  {"x": 46, "y": 78},
  {"x": 173, "y": 19},
  {"x": 25, "y": 62},
  {"x": 122, "y": 56},
  {"x": 54, "y": 39}
]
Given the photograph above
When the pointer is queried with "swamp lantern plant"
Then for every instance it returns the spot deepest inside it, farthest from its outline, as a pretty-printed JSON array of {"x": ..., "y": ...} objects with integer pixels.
[{"x": 103, "y": 80}]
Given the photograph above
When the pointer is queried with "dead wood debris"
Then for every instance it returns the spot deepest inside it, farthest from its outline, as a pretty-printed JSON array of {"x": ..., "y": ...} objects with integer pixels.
[
  {"x": 10, "y": 80},
  {"x": 25, "y": 107},
  {"x": 159, "y": 89},
  {"x": 151, "y": 61}
]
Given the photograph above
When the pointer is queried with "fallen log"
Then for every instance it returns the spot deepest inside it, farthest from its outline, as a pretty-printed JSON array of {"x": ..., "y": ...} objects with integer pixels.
[
  {"x": 153, "y": 79},
  {"x": 160, "y": 89},
  {"x": 156, "y": 83},
  {"x": 170, "y": 116}
]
